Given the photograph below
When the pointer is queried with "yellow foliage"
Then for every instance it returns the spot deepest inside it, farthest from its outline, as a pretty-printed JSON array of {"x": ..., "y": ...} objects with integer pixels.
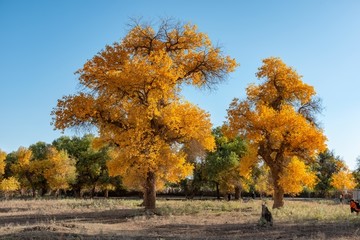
[
  {"x": 248, "y": 161},
  {"x": 296, "y": 176},
  {"x": 23, "y": 164},
  {"x": 9, "y": 184},
  {"x": 264, "y": 184},
  {"x": 23, "y": 155},
  {"x": 2, "y": 162},
  {"x": 134, "y": 100},
  {"x": 268, "y": 114},
  {"x": 343, "y": 180},
  {"x": 277, "y": 119},
  {"x": 60, "y": 169}
]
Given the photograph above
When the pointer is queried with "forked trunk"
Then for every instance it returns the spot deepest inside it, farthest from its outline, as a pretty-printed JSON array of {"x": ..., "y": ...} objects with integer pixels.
[{"x": 150, "y": 192}]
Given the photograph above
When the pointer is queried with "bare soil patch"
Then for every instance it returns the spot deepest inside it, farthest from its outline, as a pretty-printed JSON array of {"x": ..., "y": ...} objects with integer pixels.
[{"x": 122, "y": 219}]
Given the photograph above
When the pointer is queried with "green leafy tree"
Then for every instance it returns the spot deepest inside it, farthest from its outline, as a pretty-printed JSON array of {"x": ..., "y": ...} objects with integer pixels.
[
  {"x": 356, "y": 172},
  {"x": 92, "y": 172},
  {"x": 10, "y": 160},
  {"x": 326, "y": 164},
  {"x": 222, "y": 165},
  {"x": 40, "y": 151},
  {"x": 7, "y": 185}
]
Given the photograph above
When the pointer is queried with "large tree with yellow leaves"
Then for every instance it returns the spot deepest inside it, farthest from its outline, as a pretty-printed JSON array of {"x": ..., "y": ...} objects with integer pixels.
[
  {"x": 132, "y": 96},
  {"x": 278, "y": 118}
]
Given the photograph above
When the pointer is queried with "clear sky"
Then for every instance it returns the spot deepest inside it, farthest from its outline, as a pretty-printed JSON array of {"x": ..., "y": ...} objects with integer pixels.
[{"x": 42, "y": 44}]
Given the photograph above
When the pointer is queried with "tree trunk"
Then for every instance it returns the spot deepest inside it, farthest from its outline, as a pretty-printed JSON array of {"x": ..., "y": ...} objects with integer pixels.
[
  {"x": 150, "y": 191},
  {"x": 106, "y": 193},
  {"x": 92, "y": 193},
  {"x": 237, "y": 192},
  {"x": 33, "y": 191},
  {"x": 278, "y": 190},
  {"x": 217, "y": 191}
]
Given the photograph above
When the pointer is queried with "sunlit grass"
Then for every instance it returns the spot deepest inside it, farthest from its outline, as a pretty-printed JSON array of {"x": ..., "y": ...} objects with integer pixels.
[{"x": 294, "y": 211}]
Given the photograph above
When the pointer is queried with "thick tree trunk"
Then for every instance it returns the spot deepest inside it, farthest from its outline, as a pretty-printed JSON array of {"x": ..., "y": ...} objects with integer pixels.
[
  {"x": 278, "y": 197},
  {"x": 150, "y": 192},
  {"x": 237, "y": 192},
  {"x": 278, "y": 190}
]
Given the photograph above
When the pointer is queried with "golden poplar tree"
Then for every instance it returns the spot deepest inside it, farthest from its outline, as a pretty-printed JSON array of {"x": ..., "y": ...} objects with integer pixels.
[
  {"x": 132, "y": 96},
  {"x": 278, "y": 118}
]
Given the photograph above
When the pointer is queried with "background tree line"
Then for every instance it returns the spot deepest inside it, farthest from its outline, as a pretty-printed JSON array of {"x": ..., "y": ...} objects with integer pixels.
[{"x": 72, "y": 167}]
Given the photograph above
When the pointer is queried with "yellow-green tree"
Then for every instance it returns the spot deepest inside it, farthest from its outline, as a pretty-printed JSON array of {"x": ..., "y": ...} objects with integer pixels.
[
  {"x": 60, "y": 170},
  {"x": 343, "y": 180},
  {"x": 9, "y": 185},
  {"x": 132, "y": 95},
  {"x": 2, "y": 162},
  {"x": 25, "y": 170},
  {"x": 278, "y": 118}
]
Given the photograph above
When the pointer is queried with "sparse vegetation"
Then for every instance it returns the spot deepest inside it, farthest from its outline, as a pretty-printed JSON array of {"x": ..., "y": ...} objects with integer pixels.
[{"x": 174, "y": 219}]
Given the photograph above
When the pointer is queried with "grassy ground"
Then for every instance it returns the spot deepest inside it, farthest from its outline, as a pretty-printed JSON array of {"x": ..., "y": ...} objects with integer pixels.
[{"x": 198, "y": 219}]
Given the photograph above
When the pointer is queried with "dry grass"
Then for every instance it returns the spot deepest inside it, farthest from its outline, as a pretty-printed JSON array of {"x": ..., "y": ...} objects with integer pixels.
[{"x": 123, "y": 219}]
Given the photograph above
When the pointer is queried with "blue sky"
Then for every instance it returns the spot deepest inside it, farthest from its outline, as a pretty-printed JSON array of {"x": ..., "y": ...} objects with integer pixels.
[{"x": 42, "y": 44}]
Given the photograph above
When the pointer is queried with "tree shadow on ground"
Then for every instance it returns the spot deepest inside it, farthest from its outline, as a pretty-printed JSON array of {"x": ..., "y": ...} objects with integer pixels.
[
  {"x": 107, "y": 217},
  {"x": 250, "y": 231}
]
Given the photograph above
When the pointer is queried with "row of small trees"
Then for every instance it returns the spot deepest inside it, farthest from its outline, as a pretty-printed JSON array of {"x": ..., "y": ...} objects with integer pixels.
[{"x": 66, "y": 164}]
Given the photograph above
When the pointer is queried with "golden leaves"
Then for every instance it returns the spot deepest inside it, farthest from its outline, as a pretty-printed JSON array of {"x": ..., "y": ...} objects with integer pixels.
[
  {"x": 343, "y": 180},
  {"x": 60, "y": 169},
  {"x": 296, "y": 176},
  {"x": 9, "y": 185},
  {"x": 269, "y": 114},
  {"x": 132, "y": 95},
  {"x": 2, "y": 162},
  {"x": 281, "y": 82},
  {"x": 271, "y": 119},
  {"x": 23, "y": 155}
]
